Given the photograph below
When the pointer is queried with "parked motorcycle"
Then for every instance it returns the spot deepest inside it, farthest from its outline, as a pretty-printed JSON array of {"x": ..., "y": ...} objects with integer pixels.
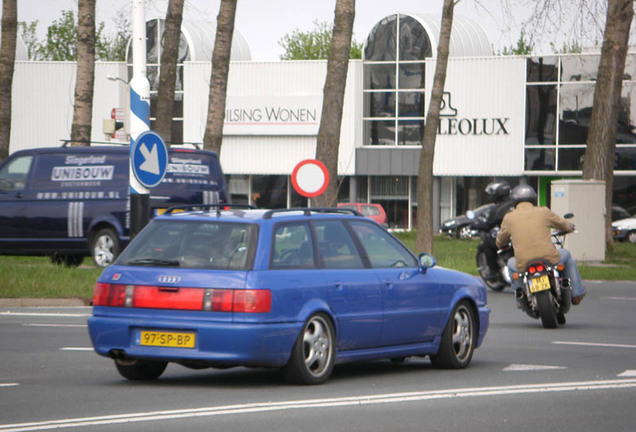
[{"x": 546, "y": 292}]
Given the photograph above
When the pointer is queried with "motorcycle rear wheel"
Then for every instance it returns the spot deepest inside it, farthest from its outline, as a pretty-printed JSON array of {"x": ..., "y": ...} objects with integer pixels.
[{"x": 547, "y": 309}]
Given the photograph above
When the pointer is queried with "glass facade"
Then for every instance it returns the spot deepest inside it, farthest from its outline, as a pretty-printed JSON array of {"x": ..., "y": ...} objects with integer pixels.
[
  {"x": 559, "y": 99},
  {"x": 394, "y": 82}
]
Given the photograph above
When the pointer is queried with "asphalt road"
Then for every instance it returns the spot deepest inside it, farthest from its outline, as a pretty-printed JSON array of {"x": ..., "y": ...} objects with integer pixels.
[{"x": 581, "y": 377}]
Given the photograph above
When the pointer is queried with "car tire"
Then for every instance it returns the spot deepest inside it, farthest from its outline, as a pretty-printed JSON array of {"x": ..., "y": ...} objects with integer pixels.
[
  {"x": 105, "y": 247},
  {"x": 314, "y": 352},
  {"x": 458, "y": 339},
  {"x": 140, "y": 370}
]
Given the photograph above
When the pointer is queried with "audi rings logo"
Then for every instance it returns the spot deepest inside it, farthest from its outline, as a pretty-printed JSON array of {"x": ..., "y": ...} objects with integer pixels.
[{"x": 167, "y": 279}]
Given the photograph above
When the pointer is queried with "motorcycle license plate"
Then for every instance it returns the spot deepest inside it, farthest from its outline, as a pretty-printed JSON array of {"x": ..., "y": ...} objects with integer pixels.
[{"x": 542, "y": 283}]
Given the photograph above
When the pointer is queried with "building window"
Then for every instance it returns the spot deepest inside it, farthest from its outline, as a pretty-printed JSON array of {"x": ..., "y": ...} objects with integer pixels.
[
  {"x": 394, "y": 82},
  {"x": 559, "y": 100}
]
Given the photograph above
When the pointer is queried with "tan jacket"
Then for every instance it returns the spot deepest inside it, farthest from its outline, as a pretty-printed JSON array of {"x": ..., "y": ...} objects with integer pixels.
[{"x": 529, "y": 228}]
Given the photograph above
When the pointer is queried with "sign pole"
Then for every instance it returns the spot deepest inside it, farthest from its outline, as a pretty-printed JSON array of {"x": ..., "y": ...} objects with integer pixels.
[{"x": 139, "y": 117}]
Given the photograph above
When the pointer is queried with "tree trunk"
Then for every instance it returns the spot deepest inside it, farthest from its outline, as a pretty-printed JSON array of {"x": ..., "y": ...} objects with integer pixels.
[
  {"x": 7, "y": 64},
  {"x": 601, "y": 140},
  {"x": 424, "y": 226},
  {"x": 213, "y": 137},
  {"x": 328, "y": 142},
  {"x": 168, "y": 72},
  {"x": 83, "y": 108}
]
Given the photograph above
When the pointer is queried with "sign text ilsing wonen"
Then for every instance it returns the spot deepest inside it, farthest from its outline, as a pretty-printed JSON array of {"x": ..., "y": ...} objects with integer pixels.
[{"x": 272, "y": 115}]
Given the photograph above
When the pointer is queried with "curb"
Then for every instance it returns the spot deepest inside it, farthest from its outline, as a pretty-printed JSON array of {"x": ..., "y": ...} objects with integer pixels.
[{"x": 42, "y": 302}]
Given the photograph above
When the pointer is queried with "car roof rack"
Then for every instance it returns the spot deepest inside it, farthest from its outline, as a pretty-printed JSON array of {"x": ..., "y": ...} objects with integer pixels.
[
  {"x": 67, "y": 143},
  {"x": 307, "y": 211},
  {"x": 202, "y": 207}
]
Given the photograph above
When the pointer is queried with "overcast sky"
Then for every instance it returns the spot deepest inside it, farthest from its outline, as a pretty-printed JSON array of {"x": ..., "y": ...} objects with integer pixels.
[{"x": 265, "y": 22}]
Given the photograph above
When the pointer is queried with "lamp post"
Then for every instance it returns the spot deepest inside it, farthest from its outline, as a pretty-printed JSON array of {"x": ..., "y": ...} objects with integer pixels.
[{"x": 139, "y": 116}]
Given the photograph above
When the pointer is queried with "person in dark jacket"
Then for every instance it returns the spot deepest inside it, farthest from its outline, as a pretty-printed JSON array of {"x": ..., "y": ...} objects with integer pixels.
[{"x": 499, "y": 193}]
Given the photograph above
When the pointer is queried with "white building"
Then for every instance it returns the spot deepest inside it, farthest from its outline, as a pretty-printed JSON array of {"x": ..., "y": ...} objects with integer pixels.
[{"x": 503, "y": 116}]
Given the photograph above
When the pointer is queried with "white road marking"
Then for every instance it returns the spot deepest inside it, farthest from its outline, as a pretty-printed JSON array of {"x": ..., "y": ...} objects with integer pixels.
[
  {"x": 9, "y": 384},
  {"x": 319, "y": 403},
  {"x": 53, "y": 325},
  {"x": 530, "y": 367},
  {"x": 593, "y": 344},
  {"x": 620, "y": 298},
  {"x": 43, "y": 314},
  {"x": 76, "y": 349},
  {"x": 628, "y": 373}
]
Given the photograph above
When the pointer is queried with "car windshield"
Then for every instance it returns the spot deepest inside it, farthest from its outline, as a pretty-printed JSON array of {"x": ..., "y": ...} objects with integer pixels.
[{"x": 193, "y": 244}]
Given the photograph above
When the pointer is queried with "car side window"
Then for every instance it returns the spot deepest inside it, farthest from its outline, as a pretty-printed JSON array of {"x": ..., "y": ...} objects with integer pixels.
[
  {"x": 337, "y": 249},
  {"x": 381, "y": 248},
  {"x": 292, "y": 247},
  {"x": 14, "y": 174}
]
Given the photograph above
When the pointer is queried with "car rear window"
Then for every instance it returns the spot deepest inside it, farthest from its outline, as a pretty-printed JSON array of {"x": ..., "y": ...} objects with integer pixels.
[
  {"x": 368, "y": 210},
  {"x": 193, "y": 244}
]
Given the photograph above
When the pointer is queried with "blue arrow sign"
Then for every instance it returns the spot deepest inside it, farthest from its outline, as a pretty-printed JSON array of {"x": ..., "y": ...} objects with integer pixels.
[{"x": 149, "y": 159}]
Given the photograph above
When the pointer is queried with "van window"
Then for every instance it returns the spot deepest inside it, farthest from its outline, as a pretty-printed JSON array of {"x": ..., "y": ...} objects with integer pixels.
[
  {"x": 78, "y": 171},
  {"x": 14, "y": 174}
]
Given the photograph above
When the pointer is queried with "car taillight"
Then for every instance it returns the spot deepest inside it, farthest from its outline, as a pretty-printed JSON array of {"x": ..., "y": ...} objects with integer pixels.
[
  {"x": 110, "y": 295},
  {"x": 156, "y": 297},
  {"x": 252, "y": 301}
]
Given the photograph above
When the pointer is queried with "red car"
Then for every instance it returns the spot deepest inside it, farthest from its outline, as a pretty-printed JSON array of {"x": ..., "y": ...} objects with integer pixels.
[{"x": 370, "y": 210}]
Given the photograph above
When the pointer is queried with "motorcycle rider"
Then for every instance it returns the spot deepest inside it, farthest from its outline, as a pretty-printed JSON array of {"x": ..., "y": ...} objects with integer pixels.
[
  {"x": 499, "y": 193},
  {"x": 529, "y": 226}
]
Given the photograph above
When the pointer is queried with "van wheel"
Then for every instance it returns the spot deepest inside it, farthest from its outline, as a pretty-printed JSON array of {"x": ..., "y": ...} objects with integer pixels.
[
  {"x": 105, "y": 247},
  {"x": 67, "y": 260}
]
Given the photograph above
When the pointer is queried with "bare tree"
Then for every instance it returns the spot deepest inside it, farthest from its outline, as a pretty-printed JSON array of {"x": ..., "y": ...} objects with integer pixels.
[
  {"x": 601, "y": 138},
  {"x": 85, "y": 78},
  {"x": 167, "y": 76},
  {"x": 213, "y": 137},
  {"x": 424, "y": 225},
  {"x": 7, "y": 63},
  {"x": 328, "y": 141}
]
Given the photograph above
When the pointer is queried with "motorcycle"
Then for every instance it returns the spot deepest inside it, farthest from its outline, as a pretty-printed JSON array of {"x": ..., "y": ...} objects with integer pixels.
[
  {"x": 499, "y": 278},
  {"x": 545, "y": 292}
]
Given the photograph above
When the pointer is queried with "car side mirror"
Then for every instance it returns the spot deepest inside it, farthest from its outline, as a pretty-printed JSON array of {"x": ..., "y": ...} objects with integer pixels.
[{"x": 426, "y": 262}]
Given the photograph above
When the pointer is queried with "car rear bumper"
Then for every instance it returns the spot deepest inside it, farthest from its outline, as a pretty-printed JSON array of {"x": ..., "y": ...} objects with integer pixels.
[{"x": 221, "y": 343}]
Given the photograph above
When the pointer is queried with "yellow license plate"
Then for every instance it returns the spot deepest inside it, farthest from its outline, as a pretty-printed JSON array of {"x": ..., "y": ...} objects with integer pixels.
[
  {"x": 167, "y": 339},
  {"x": 161, "y": 211},
  {"x": 541, "y": 283}
]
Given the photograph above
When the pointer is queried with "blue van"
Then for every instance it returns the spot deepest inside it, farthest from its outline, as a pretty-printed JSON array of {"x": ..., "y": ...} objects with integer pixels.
[{"x": 72, "y": 202}]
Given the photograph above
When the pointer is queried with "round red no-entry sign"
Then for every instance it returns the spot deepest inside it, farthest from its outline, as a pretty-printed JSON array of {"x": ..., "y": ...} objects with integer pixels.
[{"x": 310, "y": 178}]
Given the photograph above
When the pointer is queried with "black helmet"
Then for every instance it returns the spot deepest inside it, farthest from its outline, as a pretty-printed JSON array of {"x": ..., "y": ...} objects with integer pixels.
[
  {"x": 523, "y": 193},
  {"x": 498, "y": 190}
]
